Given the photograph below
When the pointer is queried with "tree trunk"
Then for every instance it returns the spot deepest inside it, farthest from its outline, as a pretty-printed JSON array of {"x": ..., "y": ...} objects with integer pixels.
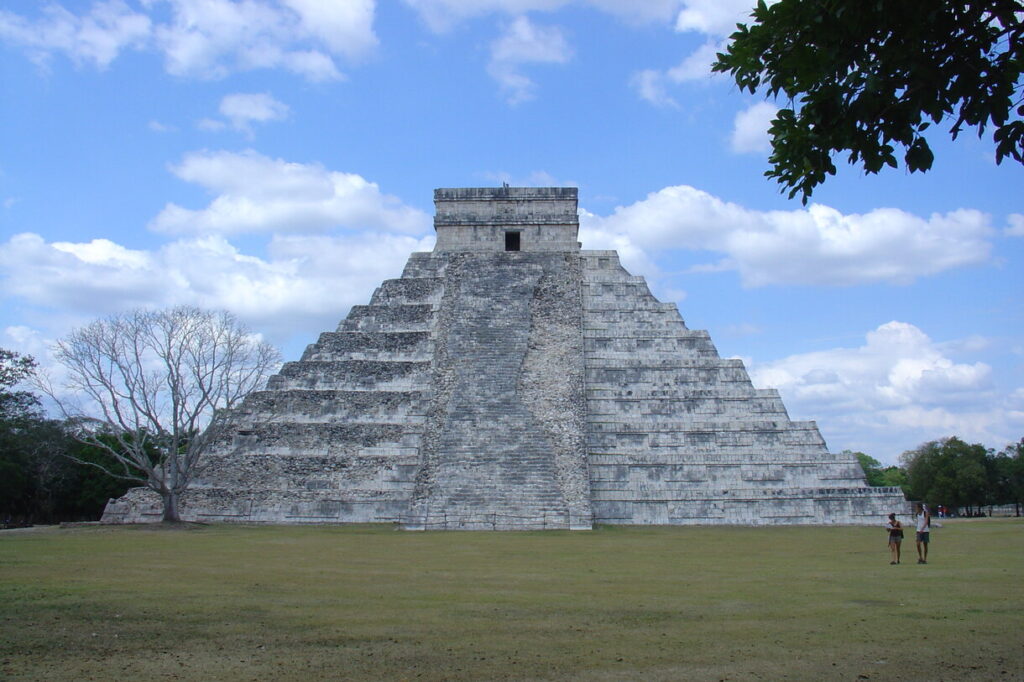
[{"x": 171, "y": 507}]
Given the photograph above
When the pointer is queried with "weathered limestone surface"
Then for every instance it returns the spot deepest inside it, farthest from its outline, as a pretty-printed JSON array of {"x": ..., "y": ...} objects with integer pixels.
[
  {"x": 503, "y": 447},
  {"x": 543, "y": 387},
  {"x": 678, "y": 435},
  {"x": 476, "y": 219}
]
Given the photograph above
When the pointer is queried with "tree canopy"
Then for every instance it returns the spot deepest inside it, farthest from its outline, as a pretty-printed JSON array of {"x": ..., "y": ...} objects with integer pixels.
[
  {"x": 959, "y": 474},
  {"x": 157, "y": 387},
  {"x": 19, "y": 412},
  {"x": 866, "y": 77},
  {"x": 875, "y": 474},
  {"x": 38, "y": 480}
]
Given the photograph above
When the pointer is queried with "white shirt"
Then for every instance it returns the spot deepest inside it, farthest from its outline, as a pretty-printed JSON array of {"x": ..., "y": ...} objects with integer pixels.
[{"x": 923, "y": 524}]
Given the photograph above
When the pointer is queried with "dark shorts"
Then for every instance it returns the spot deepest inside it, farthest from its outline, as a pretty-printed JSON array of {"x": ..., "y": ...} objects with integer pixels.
[
  {"x": 895, "y": 539},
  {"x": 922, "y": 536}
]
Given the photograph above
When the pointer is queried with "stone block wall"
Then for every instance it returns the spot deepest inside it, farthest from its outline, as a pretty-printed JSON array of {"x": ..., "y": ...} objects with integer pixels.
[
  {"x": 678, "y": 435},
  {"x": 477, "y": 219}
]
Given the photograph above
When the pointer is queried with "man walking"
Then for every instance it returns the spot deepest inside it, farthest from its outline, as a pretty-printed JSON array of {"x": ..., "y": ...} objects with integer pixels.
[{"x": 924, "y": 526}]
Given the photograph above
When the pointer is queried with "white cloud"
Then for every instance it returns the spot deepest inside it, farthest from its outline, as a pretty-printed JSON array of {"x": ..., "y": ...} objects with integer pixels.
[
  {"x": 255, "y": 193},
  {"x": 346, "y": 28},
  {"x": 294, "y": 285},
  {"x": 24, "y": 340},
  {"x": 106, "y": 253},
  {"x": 639, "y": 10},
  {"x": 158, "y": 127},
  {"x": 650, "y": 85},
  {"x": 442, "y": 15},
  {"x": 634, "y": 257},
  {"x": 98, "y": 276},
  {"x": 97, "y": 37},
  {"x": 813, "y": 246},
  {"x": 714, "y": 17},
  {"x": 750, "y": 128},
  {"x": 1015, "y": 225},
  {"x": 211, "y": 125},
  {"x": 205, "y": 38},
  {"x": 899, "y": 386},
  {"x": 244, "y": 109},
  {"x": 304, "y": 284},
  {"x": 697, "y": 65},
  {"x": 523, "y": 42},
  {"x": 212, "y": 38},
  {"x": 898, "y": 366}
]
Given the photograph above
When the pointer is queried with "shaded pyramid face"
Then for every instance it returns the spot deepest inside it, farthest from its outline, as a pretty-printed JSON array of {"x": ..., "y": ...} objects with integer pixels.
[{"x": 511, "y": 380}]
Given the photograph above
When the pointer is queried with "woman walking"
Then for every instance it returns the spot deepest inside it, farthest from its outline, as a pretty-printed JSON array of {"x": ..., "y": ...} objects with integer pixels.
[{"x": 895, "y": 529}]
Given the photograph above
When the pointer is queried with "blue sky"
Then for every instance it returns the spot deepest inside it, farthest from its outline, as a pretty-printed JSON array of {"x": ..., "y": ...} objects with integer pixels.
[{"x": 277, "y": 158}]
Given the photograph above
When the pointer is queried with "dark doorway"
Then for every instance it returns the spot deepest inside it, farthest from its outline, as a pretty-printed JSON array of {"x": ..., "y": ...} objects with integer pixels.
[{"x": 512, "y": 241}]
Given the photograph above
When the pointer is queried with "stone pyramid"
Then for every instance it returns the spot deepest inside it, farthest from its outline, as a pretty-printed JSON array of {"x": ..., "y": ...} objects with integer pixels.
[{"x": 510, "y": 380}]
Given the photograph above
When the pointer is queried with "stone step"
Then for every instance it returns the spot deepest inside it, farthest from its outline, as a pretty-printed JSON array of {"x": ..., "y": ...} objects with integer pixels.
[
  {"x": 723, "y": 457},
  {"x": 334, "y": 405},
  {"x": 618, "y": 438},
  {"x": 698, "y": 452},
  {"x": 684, "y": 392},
  {"x": 352, "y": 375},
  {"x": 660, "y": 334},
  {"x": 746, "y": 407},
  {"x": 749, "y": 440},
  {"x": 474, "y": 519},
  {"x": 652, "y": 356},
  {"x": 615, "y": 378},
  {"x": 643, "y": 345},
  {"x": 352, "y": 476},
  {"x": 621, "y": 286},
  {"x": 404, "y": 291},
  {"x": 619, "y": 333},
  {"x": 654, "y": 306},
  {"x": 599, "y": 425},
  {"x": 397, "y": 317},
  {"x": 767, "y": 493},
  {"x": 424, "y": 264},
  {"x": 668, "y": 490},
  {"x": 318, "y": 438},
  {"x": 373, "y": 345},
  {"x": 669, "y": 364}
]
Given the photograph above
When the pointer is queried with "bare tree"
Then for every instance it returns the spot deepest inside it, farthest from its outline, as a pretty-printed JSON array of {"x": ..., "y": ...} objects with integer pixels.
[{"x": 156, "y": 387}]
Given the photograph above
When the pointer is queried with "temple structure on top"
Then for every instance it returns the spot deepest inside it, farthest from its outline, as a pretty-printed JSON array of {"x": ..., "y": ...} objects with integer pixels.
[{"x": 510, "y": 380}]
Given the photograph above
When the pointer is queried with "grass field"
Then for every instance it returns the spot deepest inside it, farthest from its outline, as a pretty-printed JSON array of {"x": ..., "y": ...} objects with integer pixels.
[{"x": 367, "y": 602}]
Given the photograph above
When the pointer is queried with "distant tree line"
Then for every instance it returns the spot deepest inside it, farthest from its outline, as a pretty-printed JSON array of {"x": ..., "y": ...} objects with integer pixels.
[
  {"x": 955, "y": 474},
  {"x": 40, "y": 479}
]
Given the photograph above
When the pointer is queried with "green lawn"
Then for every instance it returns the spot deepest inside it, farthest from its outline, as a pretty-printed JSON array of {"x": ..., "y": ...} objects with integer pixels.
[{"x": 368, "y": 602}]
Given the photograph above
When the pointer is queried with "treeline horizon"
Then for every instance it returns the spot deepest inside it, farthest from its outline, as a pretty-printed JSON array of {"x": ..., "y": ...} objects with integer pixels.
[{"x": 955, "y": 474}]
